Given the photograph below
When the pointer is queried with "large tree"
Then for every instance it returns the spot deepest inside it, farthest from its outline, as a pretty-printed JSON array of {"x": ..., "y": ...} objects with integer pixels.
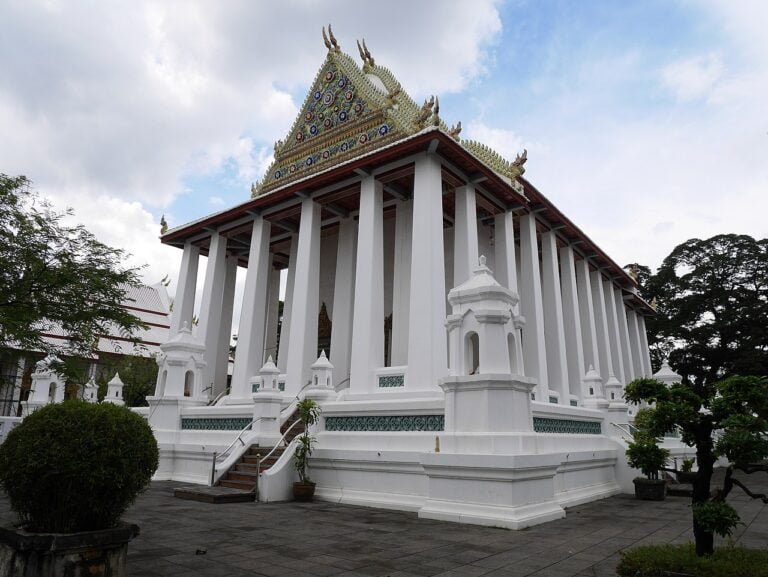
[
  {"x": 56, "y": 278},
  {"x": 727, "y": 419},
  {"x": 712, "y": 298}
]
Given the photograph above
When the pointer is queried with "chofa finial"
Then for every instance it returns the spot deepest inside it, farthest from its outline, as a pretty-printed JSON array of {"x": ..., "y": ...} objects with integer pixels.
[{"x": 330, "y": 40}]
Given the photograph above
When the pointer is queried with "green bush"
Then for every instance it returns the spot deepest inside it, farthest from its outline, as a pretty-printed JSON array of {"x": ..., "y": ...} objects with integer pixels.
[
  {"x": 647, "y": 456},
  {"x": 656, "y": 560},
  {"x": 76, "y": 466},
  {"x": 716, "y": 517}
]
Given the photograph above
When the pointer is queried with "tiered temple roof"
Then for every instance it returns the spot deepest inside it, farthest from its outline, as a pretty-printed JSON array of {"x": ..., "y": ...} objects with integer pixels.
[{"x": 351, "y": 111}]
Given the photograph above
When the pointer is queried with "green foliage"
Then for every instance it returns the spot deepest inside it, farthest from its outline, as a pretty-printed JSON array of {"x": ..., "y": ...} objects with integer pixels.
[
  {"x": 661, "y": 560},
  {"x": 687, "y": 465},
  {"x": 76, "y": 466},
  {"x": 737, "y": 408},
  {"x": 716, "y": 517},
  {"x": 139, "y": 374},
  {"x": 712, "y": 302},
  {"x": 308, "y": 412},
  {"x": 647, "y": 456},
  {"x": 55, "y": 275}
]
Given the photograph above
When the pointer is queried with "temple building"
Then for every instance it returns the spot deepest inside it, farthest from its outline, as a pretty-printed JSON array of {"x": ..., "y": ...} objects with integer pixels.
[{"x": 468, "y": 343}]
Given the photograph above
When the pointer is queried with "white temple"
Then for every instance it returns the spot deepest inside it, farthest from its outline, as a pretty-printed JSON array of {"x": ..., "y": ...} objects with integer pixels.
[{"x": 477, "y": 341}]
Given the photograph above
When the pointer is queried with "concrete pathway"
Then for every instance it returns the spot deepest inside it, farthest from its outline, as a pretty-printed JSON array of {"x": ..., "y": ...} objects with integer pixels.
[{"x": 193, "y": 539}]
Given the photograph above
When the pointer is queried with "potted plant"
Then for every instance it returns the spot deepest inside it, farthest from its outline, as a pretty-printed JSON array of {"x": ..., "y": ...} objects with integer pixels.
[
  {"x": 304, "y": 489},
  {"x": 70, "y": 471},
  {"x": 686, "y": 474}
]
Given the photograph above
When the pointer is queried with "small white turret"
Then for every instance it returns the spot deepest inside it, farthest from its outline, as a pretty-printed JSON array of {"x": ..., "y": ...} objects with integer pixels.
[
  {"x": 666, "y": 375},
  {"x": 91, "y": 391},
  {"x": 322, "y": 373},
  {"x": 115, "y": 391},
  {"x": 267, "y": 378}
]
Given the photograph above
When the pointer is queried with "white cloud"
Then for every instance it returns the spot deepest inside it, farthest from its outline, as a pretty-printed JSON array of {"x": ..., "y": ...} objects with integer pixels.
[
  {"x": 216, "y": 200},
  {"x": 693, "y": 78}
]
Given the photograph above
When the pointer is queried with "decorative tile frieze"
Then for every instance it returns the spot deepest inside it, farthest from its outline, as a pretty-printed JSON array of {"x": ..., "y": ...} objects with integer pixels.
[
  {"x": 281, "y": 386},
  {"x": 553, "y": 400},
  {"x": 568, "y": 426},
  {"x": 386, "y": 423},
  {"x": 391, "y": 381},
  {"x": 574, "y": 403},
  {"x": 214, "y": 423}
]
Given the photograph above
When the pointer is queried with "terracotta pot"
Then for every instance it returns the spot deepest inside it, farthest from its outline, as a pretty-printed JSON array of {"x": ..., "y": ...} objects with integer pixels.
[
  {"x": 303, "y": 491},
  {"x": 650, "y": 489}
]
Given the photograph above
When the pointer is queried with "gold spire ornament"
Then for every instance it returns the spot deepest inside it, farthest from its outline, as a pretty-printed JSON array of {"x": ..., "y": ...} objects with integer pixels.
[
  {"x": 163, "y": 225},
  {"x": 517, "y": 168},
  {"x": 330, "y": 40},
  {"x": 455, "y": 131}
]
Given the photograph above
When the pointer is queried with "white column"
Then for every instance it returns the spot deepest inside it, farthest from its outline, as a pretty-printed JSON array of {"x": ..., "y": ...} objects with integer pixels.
[
  {"x": 225, "y": 334},
  {"x": 464, "y": 235},
  {"x": 572, "y": 321},
  {"x": 634, "y": 341},
  {"x": 302, "y": 346},
  {"x": 343, "y": 301},
  {"x": 209, "y": 327},
  {"x": 401, "y": 282},
  {"x": 554, "y": 333},
  {"x": 273, "y": 314},
  {"x": 534, "y": 348},
  {"x": 250, "y": 336},
  {"x": 368, "y": 320},
  {"x": 587, "y": 313},
  {"x": 601, "y": 324},
  {"x": 646, "y": 353},
  {"x": 613, "y": 331},
  {"x": 184, "y": 303},
  {"x": 506, "y": 267},
  {"x": 290, "y": 282},
  {"x": 427, "y": 343},
  {"x": 626, "y": 351}
]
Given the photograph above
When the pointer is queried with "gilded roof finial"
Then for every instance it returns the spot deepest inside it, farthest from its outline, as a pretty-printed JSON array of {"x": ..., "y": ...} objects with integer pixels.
[
  {"x": 361, "y": 51},
  {"x": 436, "y": 113},
  {"x": 517, "y": 168},
  {"x": 278, "y": 146},
  {"x": 634, "y": 272},
  {"x": 325, "y": 39},
  {"x": 163, "y": 225},
  {"x": 368, "y": 54},
  {"x": 335, "y": 44},
  {"x": 425, "y": 112},
  {"x": 455, "y": 131}
]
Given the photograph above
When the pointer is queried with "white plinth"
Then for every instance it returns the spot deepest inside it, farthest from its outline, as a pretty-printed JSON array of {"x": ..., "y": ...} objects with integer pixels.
[{"x": 510, "y": 491}]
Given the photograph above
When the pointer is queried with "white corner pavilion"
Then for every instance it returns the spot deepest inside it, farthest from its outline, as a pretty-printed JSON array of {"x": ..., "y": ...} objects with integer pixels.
[{"x": 477, "y": 341}]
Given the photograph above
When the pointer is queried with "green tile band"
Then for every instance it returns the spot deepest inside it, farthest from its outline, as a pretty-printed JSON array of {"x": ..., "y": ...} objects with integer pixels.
[
  {"x": 214, "y": 424},
  {"x": 391, "y": 381},
  {"x": 568, "y": 426},
  {"x": 386, "y": 423}
]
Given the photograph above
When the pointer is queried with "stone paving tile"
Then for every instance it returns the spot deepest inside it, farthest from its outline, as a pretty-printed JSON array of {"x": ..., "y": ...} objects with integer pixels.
[{"x": 324, "y": 539}]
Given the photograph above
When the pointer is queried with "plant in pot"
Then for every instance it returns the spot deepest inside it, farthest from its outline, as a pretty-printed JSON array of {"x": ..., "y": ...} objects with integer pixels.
[
  {"x": 686, "y": 474},
  {"x": 308, "y": 412},
  {"x": 645, "y": 454},
  {"x": 70, "y": 471}
]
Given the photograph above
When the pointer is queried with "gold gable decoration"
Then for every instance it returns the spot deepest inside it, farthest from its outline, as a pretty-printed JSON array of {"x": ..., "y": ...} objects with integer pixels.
[{"x": 351, "y": 111}]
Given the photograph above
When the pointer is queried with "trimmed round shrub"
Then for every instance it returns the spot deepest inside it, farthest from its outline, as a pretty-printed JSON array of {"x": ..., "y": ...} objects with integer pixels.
[{"x": 76, "y": 466}]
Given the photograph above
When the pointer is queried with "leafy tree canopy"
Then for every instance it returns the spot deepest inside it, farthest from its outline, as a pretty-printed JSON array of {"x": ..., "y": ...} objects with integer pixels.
[
  {"x": 55, "y": 277},
  {"x": 727, "y": 419},
  {"x": 712, "y": 298}
]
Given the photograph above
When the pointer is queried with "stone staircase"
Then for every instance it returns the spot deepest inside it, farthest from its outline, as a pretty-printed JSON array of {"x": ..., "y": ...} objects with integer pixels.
[{"x": 239, "y": 483}]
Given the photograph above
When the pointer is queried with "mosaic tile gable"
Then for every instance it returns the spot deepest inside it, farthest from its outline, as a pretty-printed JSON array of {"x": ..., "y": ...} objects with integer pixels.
[{"x": 386, "y": 423}]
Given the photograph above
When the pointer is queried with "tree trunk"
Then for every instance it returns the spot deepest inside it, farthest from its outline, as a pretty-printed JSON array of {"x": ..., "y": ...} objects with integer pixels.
[{"x": 701, "y": 490}]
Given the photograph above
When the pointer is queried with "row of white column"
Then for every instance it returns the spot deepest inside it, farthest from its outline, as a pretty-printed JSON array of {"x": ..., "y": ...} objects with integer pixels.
[{"x": 576, "y": 318}]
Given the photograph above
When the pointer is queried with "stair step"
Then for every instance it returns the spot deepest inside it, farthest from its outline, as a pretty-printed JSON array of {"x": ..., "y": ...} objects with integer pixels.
[
  {"x": 248, "y": 460},
  {"x": 264, "y": 451},
  {"x": 214, "y": 494},
  {"x": 251, "y": 467},
  {"x": 242, "y": 485}
]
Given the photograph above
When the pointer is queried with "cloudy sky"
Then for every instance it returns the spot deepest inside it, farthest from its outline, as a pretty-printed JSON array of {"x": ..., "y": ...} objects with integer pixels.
[{"x": 645, "y": 122}]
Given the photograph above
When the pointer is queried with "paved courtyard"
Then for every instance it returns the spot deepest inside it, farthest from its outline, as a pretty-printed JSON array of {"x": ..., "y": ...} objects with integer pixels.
[{"x": 302, "y": 539}]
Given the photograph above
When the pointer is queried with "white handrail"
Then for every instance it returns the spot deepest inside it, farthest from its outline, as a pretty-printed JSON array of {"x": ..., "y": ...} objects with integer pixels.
[{"x": 260, "y": 459}]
